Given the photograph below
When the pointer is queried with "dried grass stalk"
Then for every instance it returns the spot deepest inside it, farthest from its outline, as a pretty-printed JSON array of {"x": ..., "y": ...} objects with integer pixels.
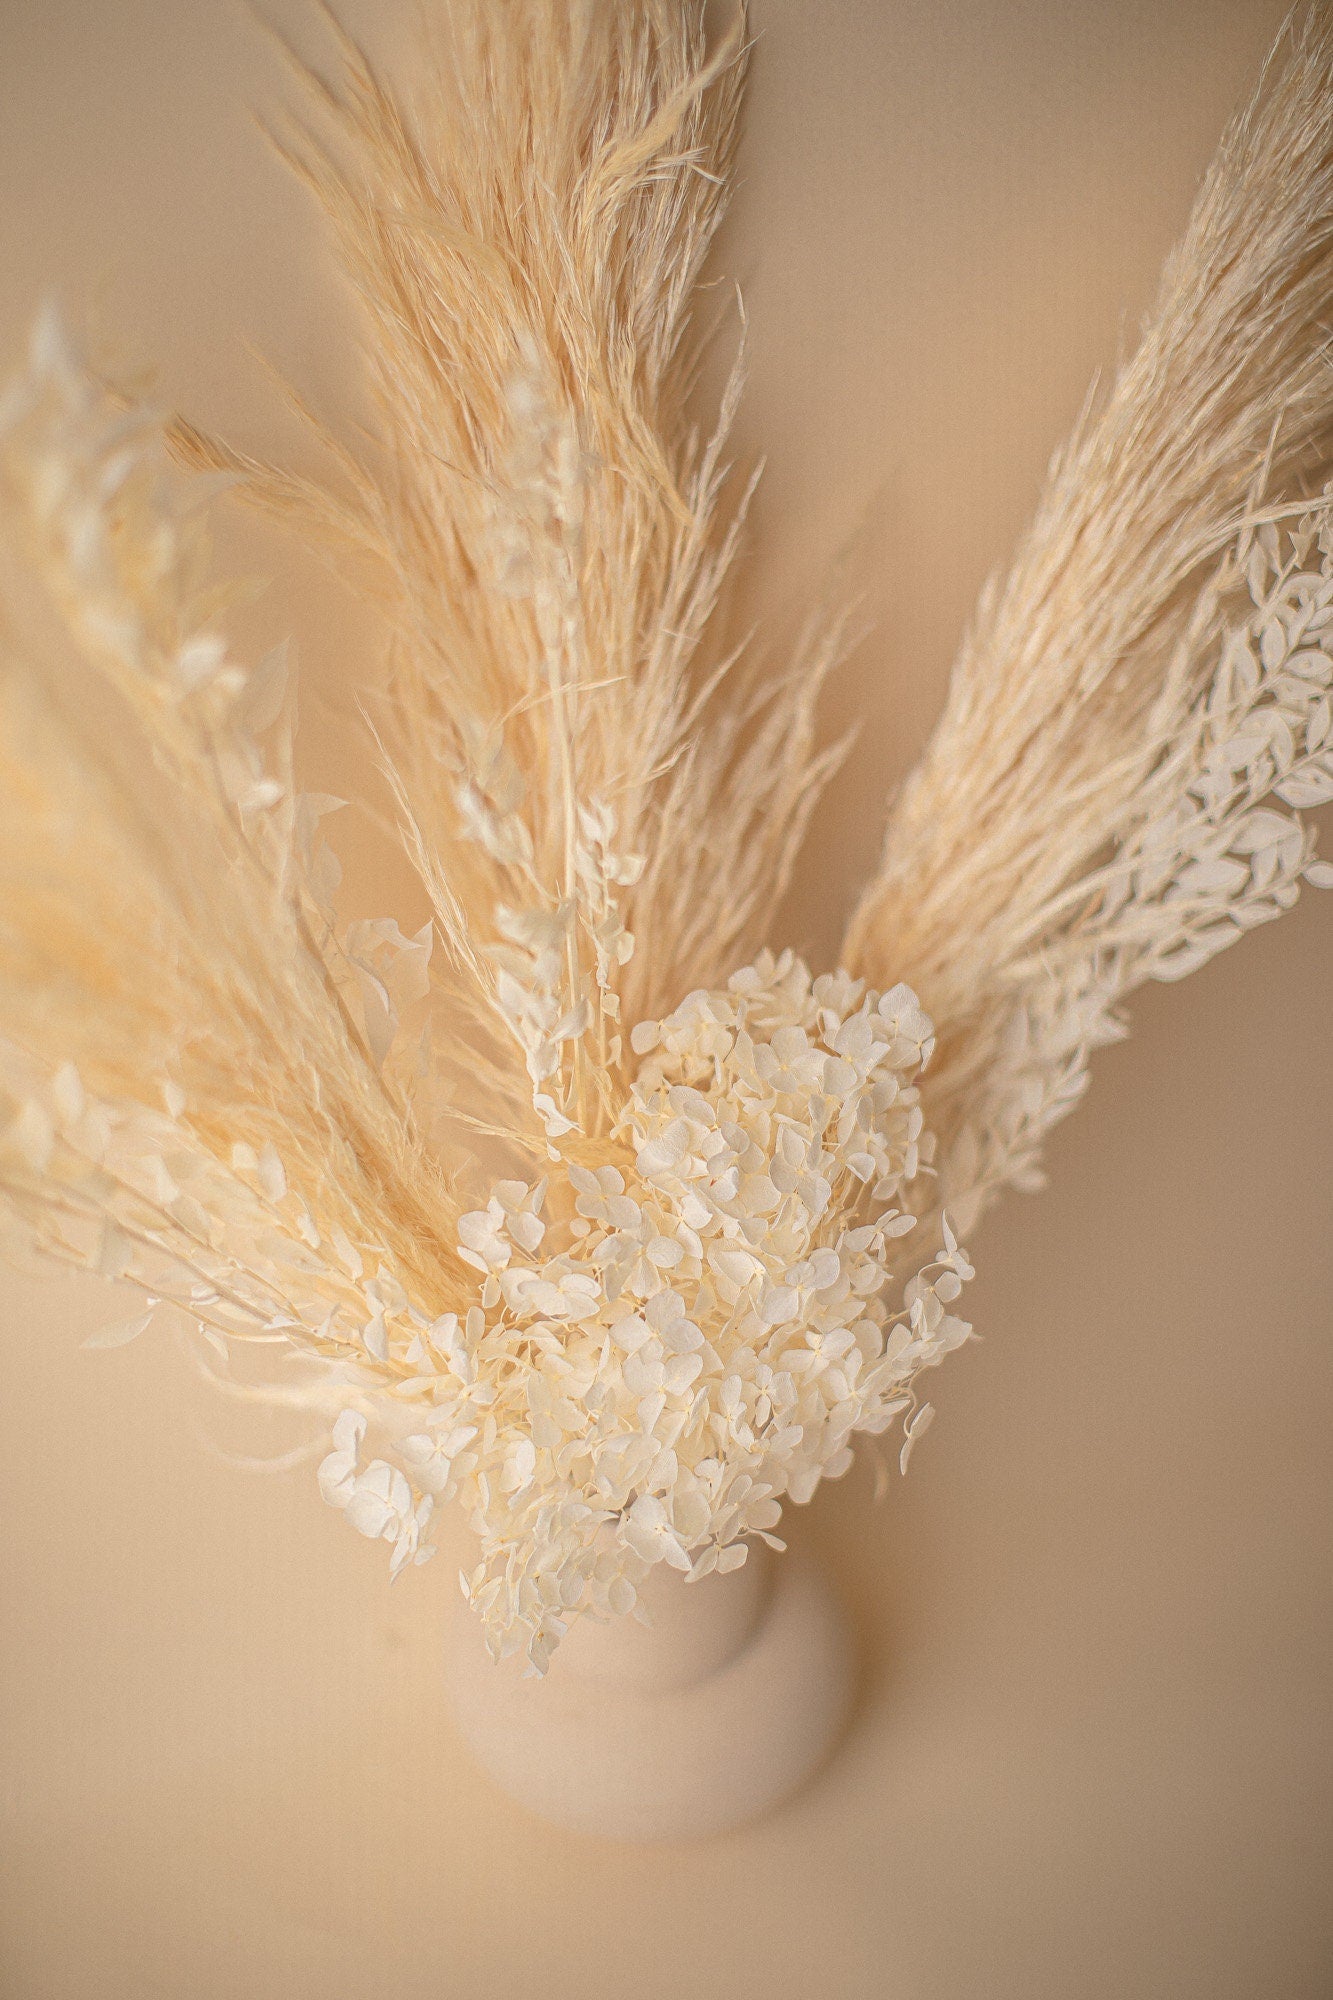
[
  {"x": 1006, "y": 895},
  {"x": 543, "y": 525}
]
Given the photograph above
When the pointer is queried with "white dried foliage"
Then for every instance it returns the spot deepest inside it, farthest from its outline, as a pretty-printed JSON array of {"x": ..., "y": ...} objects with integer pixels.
[
  {"x": 704, "y": 1240},
  {"x": 1202, "y": 858},
  {"x": 192, "y": 1062}
]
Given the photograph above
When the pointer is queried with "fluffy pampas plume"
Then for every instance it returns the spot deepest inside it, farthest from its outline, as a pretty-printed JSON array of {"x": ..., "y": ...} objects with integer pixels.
[{"x": 580, "y": 1206}]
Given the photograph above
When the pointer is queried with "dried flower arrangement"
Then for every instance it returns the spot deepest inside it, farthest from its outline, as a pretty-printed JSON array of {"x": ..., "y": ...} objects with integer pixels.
[{"x": 580, "y": 1206}]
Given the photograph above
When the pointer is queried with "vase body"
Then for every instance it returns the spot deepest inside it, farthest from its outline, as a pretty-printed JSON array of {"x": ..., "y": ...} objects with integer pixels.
[{"x": 704, "y": 1718}]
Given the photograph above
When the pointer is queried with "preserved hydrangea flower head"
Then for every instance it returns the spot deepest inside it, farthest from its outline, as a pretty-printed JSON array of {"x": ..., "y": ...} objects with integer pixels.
[{"x": 581, "y": 1207}]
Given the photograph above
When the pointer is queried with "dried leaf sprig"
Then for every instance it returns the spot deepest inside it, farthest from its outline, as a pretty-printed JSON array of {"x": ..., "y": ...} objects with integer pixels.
[
  {"x": 194, "y": 1063},
  {"x": 1205, "y": 856}
]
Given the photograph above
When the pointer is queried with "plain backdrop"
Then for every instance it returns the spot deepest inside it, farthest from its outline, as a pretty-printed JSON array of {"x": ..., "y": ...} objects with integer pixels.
[{"x": 1093, "y": 1754}]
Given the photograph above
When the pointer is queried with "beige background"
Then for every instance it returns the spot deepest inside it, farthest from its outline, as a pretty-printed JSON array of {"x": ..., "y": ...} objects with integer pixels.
[{"x": 1092, "y": 1760}]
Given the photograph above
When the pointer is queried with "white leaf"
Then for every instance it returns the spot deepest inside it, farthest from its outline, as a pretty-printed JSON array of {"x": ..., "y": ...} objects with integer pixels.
[
  {"x": 348, "y": 1431},
  {"x": 913, "y": 1430},
  {"x": 1303, "y": 789},
  {"x": 120, "y": 1332}
]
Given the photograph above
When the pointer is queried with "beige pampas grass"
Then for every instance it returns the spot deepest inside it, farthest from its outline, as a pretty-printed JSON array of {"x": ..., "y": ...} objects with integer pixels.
[
  {"x": 1008, "y": 887},
  {"x": 543, "y": 524},
  {"x": 716, "y": 1252}
]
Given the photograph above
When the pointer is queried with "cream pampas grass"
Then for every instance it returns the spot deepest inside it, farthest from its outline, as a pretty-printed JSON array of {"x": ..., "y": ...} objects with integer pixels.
[
  {"x": 580, "y": 1206},
  {"x": 1085, "y": 815}
]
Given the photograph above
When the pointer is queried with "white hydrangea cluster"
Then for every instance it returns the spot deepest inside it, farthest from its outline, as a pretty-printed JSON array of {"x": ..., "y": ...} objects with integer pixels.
[{"x": 663, "y": 1349}]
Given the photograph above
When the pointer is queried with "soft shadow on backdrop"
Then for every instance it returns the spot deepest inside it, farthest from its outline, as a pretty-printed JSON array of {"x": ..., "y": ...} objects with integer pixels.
[{"x": 1094, "y": 1754}]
